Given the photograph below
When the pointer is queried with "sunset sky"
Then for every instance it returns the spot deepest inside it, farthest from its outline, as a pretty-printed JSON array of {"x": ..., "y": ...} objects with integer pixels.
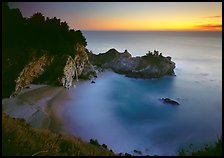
[{"x": 130, "y": 15}]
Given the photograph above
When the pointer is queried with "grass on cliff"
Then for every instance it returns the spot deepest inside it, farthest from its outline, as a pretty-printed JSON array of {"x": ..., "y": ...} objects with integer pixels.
[
  {"x": 18, "y": 139},
  {"x": 206, "y": 150}
]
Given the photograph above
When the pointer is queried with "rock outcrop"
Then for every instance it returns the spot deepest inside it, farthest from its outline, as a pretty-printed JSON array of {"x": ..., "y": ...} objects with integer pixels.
[
  {"x": 77, "y": 67},
  {"x": 169, "y": 101},
  {"x": 69, "y": 73},
  {"x": 56, "y": 69},
  {"x": 148, "y": 66},
  {"x": 31, "y": 71},
  {"x": 88, "y": 72},
  {"x": 63, "y": 69}
]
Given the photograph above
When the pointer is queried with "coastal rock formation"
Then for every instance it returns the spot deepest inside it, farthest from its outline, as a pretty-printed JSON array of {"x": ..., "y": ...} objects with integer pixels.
[
  {"x": 148, "y": 66},
  {"x": 31, "y": 71},
  {"x": 88, "y": 72},
  {"x": 81, "y": 58},
  {"x": 69, "y": 72},
  {"x": 26, "y": 40},
  {"x": 77, "y": 67},
  {"x": 55, "y": 69},
  {"x": 63, "y": 69},
  {"x": 169, "y": 101}
]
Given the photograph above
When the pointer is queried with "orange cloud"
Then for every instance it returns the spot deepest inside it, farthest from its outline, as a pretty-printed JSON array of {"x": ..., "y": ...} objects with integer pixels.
[
  {"x": 211, "y": 27},
  {"x": 215, "y": 16}
]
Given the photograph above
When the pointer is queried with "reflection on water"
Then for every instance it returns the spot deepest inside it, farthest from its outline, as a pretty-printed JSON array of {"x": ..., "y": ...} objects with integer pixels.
[{"x": 126, "y": 113}]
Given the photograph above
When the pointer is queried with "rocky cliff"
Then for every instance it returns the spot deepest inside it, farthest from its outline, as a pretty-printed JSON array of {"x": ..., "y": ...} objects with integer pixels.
[
  {"x": 60, "y": 70},
  {"x": 74, "y": 67},
  {"x": 31, "y": 71},
  {"x": 151, "y": 65},
  {"x": 39, "y": 49}
]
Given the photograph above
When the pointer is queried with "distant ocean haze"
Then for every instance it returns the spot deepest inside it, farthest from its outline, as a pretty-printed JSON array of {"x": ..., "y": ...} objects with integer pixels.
[
  {"x": 127, "y": 113},
  {"x": 183, "y": 46}
]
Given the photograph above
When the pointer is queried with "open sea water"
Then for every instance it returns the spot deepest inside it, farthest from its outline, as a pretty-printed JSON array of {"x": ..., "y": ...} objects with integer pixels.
[{"x": 126, "y": 113}]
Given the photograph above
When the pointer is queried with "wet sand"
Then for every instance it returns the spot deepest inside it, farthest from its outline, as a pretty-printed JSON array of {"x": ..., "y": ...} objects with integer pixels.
[{"x": 40, "y": 106}]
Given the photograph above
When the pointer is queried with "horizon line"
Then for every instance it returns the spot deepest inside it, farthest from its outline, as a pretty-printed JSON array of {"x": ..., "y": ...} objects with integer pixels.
[{"x": 155, "y": 30}]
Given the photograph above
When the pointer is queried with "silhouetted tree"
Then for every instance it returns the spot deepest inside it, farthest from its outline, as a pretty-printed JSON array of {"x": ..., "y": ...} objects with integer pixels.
[
  {"x": 149, "y": 54},
  {"x": 156, "y": 52},
  {"x": 20, "y": 35}
]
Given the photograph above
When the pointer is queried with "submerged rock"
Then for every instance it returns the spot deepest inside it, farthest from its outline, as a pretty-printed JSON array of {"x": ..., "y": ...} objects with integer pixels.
[{"x": 169, "y": 101}]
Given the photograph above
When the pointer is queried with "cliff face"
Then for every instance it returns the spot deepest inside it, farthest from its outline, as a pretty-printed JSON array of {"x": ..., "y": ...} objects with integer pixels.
[
  {"x": 31, "y": 71},
  {"x": 55, "y": 69},
  {"x": 80, "y": 60},
  {"x": 153, "y": 67},
  {"x": 74, "y": 67},
  {"x": 148, "y": 66},
  {"x": 63, "y": 69},
  {"x": 25, "y": 40},
  {"x": 69, "y": 72}
]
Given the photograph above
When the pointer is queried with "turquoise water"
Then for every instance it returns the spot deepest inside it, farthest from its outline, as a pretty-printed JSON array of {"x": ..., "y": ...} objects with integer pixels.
[{"x": 126, "y": 113}]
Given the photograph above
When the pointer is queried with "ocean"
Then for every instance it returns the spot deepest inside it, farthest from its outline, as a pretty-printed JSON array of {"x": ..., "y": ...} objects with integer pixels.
[{"x": 126, "y": 113}]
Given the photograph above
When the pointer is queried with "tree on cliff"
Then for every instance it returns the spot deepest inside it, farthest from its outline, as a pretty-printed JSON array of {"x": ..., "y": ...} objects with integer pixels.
[
  {"x": 25, "y": 38},
  {"x": 38, "y": 32}
]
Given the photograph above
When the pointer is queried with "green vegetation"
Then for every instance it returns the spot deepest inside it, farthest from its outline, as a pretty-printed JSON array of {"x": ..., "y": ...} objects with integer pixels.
[
  {"x": 212, "y": 150},
  {"x": 94, "y": 142},
  {"x": 155, "y": 58},
  {"x": 102, "y": 58},
  {"x": 26, "y": 38},
  {"x": 54, "y": 71},
  {"x": 38, "y": 32},
  {"x": 138, "y": 152},
  {"x": 18, "y": 139}
]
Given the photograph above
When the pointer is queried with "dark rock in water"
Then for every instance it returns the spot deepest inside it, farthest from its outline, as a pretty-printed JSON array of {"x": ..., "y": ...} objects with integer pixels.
[
  {"x": 27, "y": 87},
  {"x": 138, "y": 152},
  {"x": 170, "y": 101},
  {"x": 127, "y": 154},
  {"x": 93, "y": 82}
]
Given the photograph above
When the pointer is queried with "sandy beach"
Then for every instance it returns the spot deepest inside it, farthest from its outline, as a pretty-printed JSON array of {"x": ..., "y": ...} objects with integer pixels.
[{"x": 40, "y": 106}]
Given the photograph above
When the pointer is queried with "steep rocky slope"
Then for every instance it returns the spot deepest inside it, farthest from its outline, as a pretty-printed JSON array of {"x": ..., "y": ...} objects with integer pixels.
[
  {"x": 55, "y": 69},
  {"x": 61, "y": 70},
  {"x": 31, "y": 71}
]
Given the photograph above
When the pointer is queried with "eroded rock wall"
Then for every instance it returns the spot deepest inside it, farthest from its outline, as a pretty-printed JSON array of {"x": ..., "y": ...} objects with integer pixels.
[
  {"x": 31, "y": 71},
  {"x": 74, "y": 67},
  {"x": 62, "y": 70}
]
